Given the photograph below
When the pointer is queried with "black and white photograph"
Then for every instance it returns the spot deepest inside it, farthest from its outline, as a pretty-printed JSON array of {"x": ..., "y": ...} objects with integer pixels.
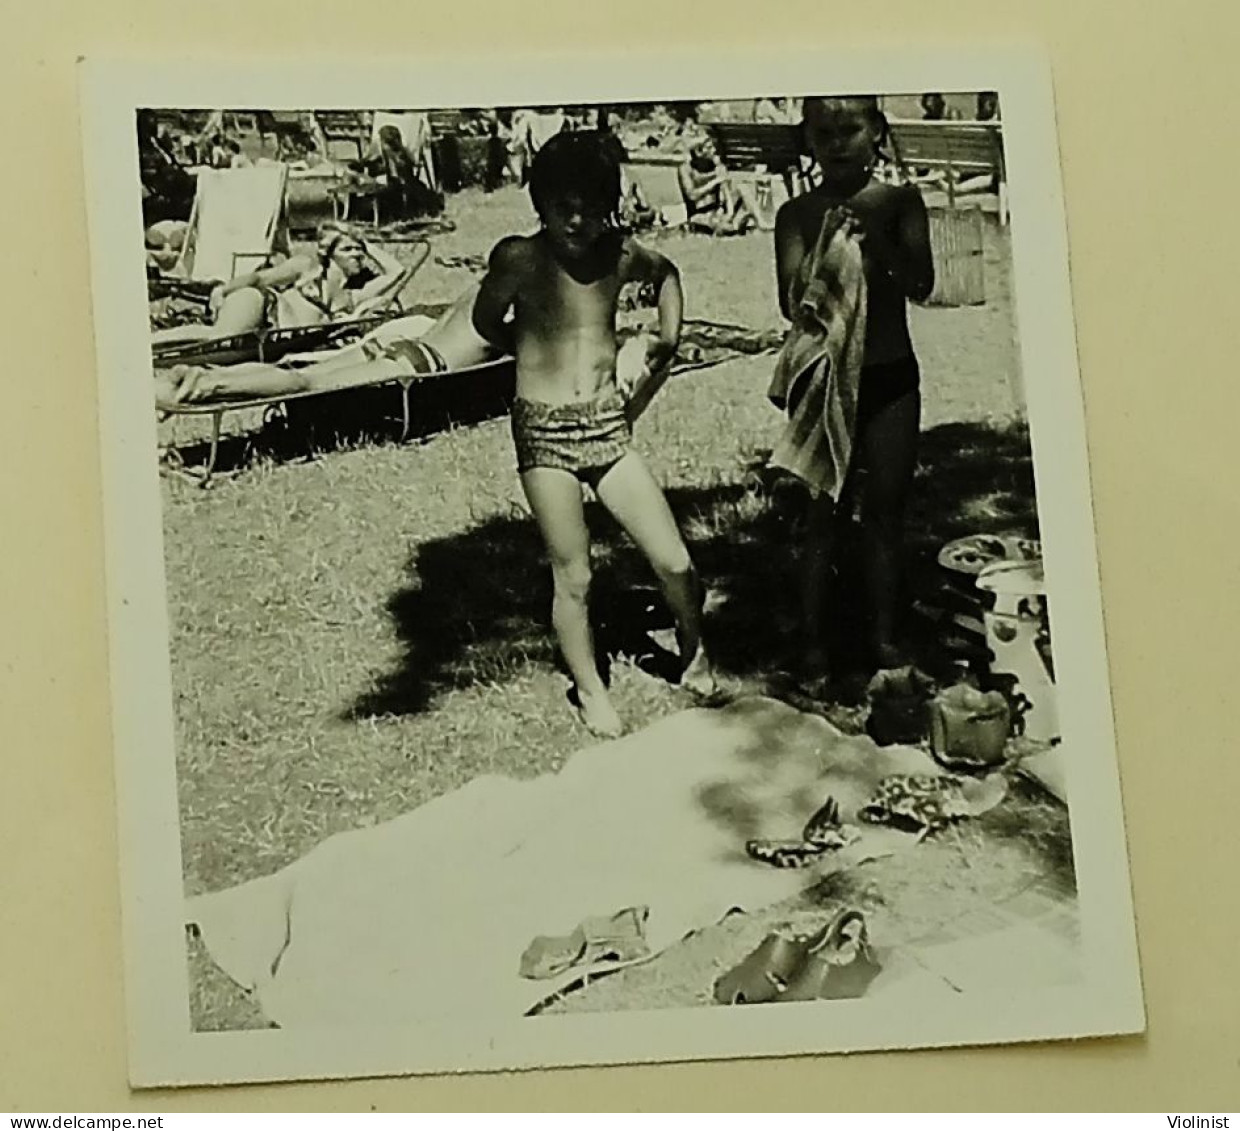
[{"x": 601, "y": 564}]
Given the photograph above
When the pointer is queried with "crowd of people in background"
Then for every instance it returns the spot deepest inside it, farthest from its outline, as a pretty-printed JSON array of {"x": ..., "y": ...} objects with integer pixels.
[{"x": 410, "y": 171}]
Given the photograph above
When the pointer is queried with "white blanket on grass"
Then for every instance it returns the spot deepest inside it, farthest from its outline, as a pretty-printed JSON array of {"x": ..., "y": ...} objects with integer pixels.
[{"x": 427, "y": 916}]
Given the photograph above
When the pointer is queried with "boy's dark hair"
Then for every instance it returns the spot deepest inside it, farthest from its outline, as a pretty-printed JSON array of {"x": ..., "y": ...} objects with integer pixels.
[{"x": 576, "y": 163}]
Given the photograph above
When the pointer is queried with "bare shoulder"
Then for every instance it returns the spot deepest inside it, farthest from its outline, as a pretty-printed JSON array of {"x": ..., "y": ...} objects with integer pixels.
[
  {"x": 513, "y": 255},
  {"x": 794, "y": 212},
  {"x": 908, "y": 198},
  {"x": 801, "y": 216},
  {"x": 894, "y": 198}
]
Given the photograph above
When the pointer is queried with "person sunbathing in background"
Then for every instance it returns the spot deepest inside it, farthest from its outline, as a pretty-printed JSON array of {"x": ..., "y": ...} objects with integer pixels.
[
  {"x": 404, "y": 195},
  {"x": 712, "y": 200},
  {"x": 343, "y": 278},
  {"x": 402, "y": 349},
  {"x": 573, "y": 414}
]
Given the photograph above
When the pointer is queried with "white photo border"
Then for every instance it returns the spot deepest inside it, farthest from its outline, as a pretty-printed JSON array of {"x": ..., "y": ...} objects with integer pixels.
[{"x": 163, "y": 1050}]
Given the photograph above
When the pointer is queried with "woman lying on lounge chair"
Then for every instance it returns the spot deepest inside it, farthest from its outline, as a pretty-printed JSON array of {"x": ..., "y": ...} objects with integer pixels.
[
  {"x": 343, "y": 278},
  {"x": 404, "y": 348}
]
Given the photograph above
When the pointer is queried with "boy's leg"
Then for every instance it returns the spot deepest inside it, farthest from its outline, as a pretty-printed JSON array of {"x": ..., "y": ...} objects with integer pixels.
[
  {"x": 889, "y": 453},
  {"x": 555, "y": 499},
  {"x": 630, "y": 492}
]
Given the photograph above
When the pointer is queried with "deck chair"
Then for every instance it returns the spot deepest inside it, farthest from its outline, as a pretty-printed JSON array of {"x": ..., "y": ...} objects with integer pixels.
[
  {"x": 274, "y": 343},
  {"x": 343, "y": 134},
  {"x": 659, "y": 183},
  {"x": 415, "y": 132},
  {"x": 239, "y": 218},
  {"x": 491, "y": 377}
]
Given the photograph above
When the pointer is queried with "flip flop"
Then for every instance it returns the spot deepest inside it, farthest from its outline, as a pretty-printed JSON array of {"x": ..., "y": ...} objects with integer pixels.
[
  {"x": 823, "y": 832},
  {"x": 617, "y": 938},
  {"x": 840, "y": 963},
  {"x": 832, "y": 963},
  {"x": 763, "y": 976}
]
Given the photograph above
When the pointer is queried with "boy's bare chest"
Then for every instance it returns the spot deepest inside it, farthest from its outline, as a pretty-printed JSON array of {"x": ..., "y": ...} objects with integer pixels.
[{"x": 560, "y": 296}]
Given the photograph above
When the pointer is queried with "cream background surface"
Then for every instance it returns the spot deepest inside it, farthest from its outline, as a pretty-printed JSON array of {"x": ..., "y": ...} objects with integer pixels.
[{"x": 1146, "y": 109}]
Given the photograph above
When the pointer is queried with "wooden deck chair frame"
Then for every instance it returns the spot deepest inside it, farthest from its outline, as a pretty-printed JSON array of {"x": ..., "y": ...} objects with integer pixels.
[
  {"x": 419, "y": 146},
  {"x": 342, "y": 127},
  {"x": 276, "y": 226}
]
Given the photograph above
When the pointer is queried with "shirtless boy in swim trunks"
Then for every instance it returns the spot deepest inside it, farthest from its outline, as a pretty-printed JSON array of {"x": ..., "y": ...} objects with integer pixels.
[{"x": 572, "y": 420}]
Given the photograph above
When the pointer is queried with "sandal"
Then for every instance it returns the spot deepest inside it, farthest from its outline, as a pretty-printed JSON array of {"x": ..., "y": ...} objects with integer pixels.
[
  {"x": 833, "y": 963},
  {"x": 764, "y": 975},
  {"x": 618, "y": 938},
  {"x": 840, "y": 963}
]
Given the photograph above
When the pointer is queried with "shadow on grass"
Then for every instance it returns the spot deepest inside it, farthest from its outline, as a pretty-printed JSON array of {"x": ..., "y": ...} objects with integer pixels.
[{"x": 477, "y": 604}]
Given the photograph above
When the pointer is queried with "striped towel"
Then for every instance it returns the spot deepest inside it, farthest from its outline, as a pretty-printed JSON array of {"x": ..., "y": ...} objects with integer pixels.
[{"x": 818, "y": 371}]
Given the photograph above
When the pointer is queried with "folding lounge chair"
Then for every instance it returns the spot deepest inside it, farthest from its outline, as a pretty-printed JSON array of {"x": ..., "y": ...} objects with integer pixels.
[
  {"x": 659, "y": 183},
  {"x": 271, "y": 344},
  {"x": 238, "y": 220},
  {"x": 499, "y": 372},
  {"x": 415, "y": 132}
]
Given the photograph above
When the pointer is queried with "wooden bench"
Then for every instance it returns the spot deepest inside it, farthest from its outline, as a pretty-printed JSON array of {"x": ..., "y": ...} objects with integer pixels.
[
  {"x": 958, "y": 149},
  {"x": 751, "y": 147}
]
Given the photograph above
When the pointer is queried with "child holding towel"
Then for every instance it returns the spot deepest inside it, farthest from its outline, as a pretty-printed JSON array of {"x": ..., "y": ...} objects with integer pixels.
[{"x": 849, "y": 256}]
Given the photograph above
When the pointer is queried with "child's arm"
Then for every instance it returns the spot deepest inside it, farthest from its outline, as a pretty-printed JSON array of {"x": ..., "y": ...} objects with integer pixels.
[
  {"x": 646, "y": 266},
  {"x": 392, "y": 279},
  {"x": 651, "y": 267},
  {"x": 918, "y": 273},
  {"x": 497, "y": 293},
  {"x": 789, "y": 255},
  {"x": 696, "y": 193},
  {"x": 671, "y": 300}
]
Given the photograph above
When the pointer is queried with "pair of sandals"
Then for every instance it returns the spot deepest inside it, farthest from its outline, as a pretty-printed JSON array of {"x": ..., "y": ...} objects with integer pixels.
[{"x": 833, "y": 963}]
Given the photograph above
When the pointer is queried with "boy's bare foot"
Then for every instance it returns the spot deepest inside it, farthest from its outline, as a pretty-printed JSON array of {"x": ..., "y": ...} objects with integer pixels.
[
  {"x": 698, "y": 676},
  {"x": 597, "y": 713}
]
